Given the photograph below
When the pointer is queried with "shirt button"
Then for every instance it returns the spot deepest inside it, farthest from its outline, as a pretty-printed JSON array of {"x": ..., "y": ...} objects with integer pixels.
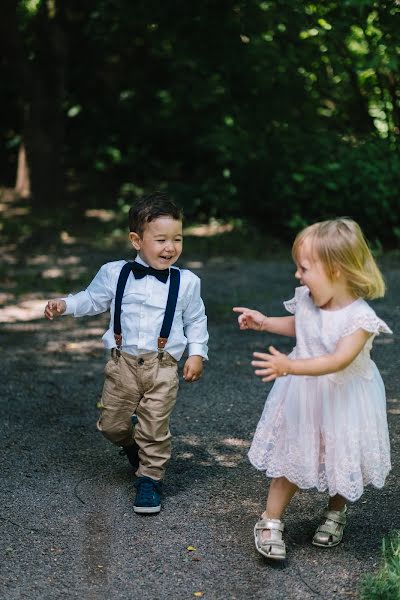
[{"x": 140, "y": 361}]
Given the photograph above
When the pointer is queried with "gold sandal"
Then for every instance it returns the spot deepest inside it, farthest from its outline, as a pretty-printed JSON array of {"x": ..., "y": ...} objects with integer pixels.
[
  {"x": 273, "y": 547},
  {"x": 330, "y": 532}
]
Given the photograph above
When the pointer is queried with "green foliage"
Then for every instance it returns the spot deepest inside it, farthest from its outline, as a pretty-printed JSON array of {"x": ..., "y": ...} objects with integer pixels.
[
  {"x": 343, "y": 179},
  {"x": 385, "y": 584},
  {"x": 280, "y": 113}
]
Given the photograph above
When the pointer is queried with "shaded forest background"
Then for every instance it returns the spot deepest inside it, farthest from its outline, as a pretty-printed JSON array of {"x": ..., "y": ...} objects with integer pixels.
[{"x": 274, "y": 113}]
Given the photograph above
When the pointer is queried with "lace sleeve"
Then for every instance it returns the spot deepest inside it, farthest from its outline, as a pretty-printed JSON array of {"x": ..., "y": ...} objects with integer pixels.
[
  {"x": 291, "y": 305},
  {"x": 367, "y": 321}
]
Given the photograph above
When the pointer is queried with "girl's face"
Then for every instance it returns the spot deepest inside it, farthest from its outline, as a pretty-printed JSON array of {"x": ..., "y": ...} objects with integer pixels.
[{"x": 311, "y": 272}]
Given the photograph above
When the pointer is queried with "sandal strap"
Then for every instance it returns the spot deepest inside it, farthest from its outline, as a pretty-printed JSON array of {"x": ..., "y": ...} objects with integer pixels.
[
  {"x": 273, "y": 546},
  {"x": 330, "y": 529},
  {"x": 337, "y": 516},
  {"x": 271, "y": 543},
  {"x": 275, "y": 524}
]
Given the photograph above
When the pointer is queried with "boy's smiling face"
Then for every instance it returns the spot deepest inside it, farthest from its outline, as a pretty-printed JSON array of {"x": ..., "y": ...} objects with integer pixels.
[{"x": 160, "y": 244}]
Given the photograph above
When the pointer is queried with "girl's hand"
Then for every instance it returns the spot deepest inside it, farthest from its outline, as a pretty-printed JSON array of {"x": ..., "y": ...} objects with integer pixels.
[
  {"x": 193, "y": 368},
  {"x": 249, "y": 319},
  {"x": 272, "y": 365},
  {"x": 54, "y": 308}
]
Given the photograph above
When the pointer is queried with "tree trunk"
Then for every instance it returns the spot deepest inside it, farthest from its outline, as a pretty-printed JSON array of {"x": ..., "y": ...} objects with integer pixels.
[
  {"x": 44, "y": 122},
  {"x": 22, "y": 184},
  {"x": 39, "y": 90}
]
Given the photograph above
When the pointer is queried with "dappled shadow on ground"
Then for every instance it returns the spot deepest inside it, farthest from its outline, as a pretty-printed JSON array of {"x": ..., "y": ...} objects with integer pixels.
[{"x": 68, "y": 494}]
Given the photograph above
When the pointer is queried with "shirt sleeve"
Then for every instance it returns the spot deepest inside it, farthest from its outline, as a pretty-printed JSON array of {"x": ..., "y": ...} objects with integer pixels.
[
  {"x": 291, "y": 305},
  {"x": 95, "y": 299},
  {"x": 195, "y": 322},
  {"x": 367, "y": 320}
]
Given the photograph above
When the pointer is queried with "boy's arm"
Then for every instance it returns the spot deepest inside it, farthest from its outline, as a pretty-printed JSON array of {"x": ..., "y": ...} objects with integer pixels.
[
  {"x": 195, "y": 322},
  {"x": 92, "y": 301},
  {"x": 193, "y": 368},
  {"x": 54, "y": 308},
  {"x": 253, "y": 319},
  {"x": 273, "y": 365}
]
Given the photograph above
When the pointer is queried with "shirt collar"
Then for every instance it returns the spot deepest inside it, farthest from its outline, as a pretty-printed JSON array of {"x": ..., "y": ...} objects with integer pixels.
[{"x": 140, "y": 261}]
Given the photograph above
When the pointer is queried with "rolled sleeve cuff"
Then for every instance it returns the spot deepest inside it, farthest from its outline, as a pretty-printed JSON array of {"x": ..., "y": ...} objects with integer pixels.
[
  {"x": 71, "y": 305},
  {"x": 197, "y": 350}
]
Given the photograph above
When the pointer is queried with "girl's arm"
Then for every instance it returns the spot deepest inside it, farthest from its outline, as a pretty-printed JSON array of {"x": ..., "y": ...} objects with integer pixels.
[
  {"x": 253, "y": 319},
  {"x": 273, "y": 365}
]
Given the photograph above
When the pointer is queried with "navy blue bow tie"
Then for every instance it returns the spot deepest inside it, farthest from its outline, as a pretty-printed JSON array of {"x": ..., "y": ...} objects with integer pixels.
[{"x": 139, "y": 271}]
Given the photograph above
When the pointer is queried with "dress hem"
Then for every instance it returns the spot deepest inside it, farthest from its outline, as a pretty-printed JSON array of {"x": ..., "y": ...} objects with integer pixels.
[{"x": 321, "y": 489}]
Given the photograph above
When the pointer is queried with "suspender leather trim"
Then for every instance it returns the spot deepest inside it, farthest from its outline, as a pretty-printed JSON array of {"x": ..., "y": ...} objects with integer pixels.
[{"x": 174, "y": 281}]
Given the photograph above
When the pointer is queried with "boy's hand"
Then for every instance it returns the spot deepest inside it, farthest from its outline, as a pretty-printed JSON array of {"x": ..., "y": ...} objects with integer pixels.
[
  {"x": 272, "y": 365},
  {"x": 54, "y": 308},
  {"x": 249, "y": 319},
  {"x": 193, "y": 368}
]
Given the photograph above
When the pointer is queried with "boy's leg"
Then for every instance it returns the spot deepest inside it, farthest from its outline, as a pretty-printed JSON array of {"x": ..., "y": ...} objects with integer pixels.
[
  {"x": 152, "y": 432},
  {"x": 120, "y": 398}
]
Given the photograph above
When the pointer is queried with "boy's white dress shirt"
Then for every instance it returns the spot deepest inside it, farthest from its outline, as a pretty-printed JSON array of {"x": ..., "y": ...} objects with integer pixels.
[{"x": 143, "y": 308}]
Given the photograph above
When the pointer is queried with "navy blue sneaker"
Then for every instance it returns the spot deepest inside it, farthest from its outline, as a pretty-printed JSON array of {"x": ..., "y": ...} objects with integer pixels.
[
  {"x": 132, "y": 454},
  {"x": 148, "y": 496}
]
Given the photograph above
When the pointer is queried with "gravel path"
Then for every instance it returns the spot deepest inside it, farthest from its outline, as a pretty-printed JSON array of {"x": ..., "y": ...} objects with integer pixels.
[{"x": 67, "y": 525}]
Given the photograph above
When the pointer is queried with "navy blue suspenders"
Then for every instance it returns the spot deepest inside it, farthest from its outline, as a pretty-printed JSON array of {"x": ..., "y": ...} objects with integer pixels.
[
  {"x": 122, "y": 279},
  {"x": 174, "y": 280}
]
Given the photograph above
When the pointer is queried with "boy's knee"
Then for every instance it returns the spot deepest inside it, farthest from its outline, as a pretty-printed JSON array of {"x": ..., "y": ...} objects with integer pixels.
[{"x": 117, "y": 433}]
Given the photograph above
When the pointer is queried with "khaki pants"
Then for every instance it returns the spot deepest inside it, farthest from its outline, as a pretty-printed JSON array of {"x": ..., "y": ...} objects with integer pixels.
[{"x": 147, "y": 386}]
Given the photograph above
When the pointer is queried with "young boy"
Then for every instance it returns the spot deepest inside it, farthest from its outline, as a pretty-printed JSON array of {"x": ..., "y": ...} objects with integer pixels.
[{"x": 156, "y": 310}]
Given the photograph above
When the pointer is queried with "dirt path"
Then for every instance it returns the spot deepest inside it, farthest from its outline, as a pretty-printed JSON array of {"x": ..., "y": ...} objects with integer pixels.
[{"x": 67, "y": 525}]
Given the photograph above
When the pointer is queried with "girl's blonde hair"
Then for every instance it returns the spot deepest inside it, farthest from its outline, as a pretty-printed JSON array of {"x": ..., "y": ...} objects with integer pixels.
[{"x": 340, "y": 244}]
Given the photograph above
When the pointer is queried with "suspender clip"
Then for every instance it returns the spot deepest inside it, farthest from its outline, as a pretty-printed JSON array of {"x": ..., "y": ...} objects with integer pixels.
[
  {"x": 161, "y": 343},
  {"x": 115, "y": 352}
]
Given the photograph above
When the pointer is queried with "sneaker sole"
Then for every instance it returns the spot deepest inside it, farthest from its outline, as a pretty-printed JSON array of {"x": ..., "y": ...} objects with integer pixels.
[{"x": 147, "y": 510}]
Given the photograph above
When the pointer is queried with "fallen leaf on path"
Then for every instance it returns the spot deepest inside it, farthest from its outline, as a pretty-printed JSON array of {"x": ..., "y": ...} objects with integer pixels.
[
  {"x": 191, "y": 548},
  {"x": 198, "y": 594}
]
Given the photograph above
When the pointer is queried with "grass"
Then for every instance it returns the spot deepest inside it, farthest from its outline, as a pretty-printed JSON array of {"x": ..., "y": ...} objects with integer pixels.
[{"x": 385, "y": 584}]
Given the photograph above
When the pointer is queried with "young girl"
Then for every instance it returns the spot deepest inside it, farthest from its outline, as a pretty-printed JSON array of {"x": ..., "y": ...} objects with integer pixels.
[{"x": 324, "y": 424}]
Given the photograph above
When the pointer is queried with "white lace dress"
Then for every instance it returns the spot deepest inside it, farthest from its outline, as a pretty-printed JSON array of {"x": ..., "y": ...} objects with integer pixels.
[{"x": 327, "y": 432}]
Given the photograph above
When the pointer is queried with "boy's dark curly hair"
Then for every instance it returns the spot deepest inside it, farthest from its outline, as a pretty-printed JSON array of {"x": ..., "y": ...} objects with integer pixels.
[{"x": 150, "y": 207}]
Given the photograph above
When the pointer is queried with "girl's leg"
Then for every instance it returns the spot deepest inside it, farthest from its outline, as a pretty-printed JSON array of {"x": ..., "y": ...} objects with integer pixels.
[
  {"x": 336, "y": 502},
  {"x": 281, "y": 491},
  {"x": 330, "y": 531},
  {"x": 268, "y": 530}
]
